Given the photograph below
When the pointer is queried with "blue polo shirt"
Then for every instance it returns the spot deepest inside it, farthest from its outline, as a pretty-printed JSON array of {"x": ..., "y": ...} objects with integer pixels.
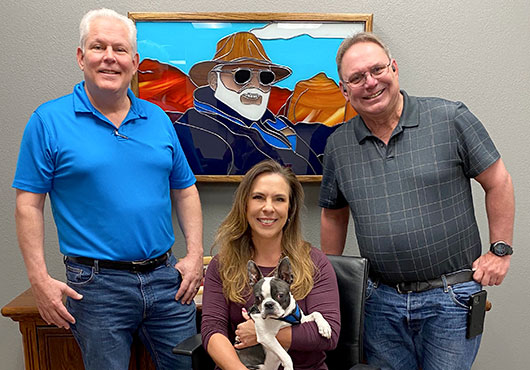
[{"x": 109, "y": 188}]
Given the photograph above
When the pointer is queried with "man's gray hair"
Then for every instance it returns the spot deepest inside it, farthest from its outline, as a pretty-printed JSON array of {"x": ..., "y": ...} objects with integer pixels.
[
  {"x": 88, "y": 18},
  {"x": 358, "y": 37}
]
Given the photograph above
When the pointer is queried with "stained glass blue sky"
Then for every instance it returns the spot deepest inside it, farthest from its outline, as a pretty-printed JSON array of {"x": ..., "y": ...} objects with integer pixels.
[{"x": 307, "y": 50}]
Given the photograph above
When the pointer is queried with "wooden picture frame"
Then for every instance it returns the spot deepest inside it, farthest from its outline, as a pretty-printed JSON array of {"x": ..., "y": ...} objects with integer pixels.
[{"x": 192, "y": 64}]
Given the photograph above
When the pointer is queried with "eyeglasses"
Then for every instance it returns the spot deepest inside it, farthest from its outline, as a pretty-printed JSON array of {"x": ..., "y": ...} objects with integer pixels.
[
  {"x": 376, "y": 71},
  {"x": 242, "y": 76}
]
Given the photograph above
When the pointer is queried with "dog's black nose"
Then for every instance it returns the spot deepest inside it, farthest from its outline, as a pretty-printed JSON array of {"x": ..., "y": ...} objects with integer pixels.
[{"x": 269, "y": 305}]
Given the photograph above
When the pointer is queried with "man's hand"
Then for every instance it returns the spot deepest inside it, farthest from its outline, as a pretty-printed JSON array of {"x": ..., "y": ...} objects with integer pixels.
[
  {"x": 191, "y": 270},
  {"x": 491, "y": 269},
  {"x": 49, "y": 298},
  {"x": 500, "y": 208},
  {"x": 188, "y": 206},
  {"x": 246, "y": 332}
]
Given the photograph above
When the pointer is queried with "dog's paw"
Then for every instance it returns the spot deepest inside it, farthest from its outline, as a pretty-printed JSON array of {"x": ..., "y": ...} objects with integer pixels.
[{"x": 324, "y": 328}]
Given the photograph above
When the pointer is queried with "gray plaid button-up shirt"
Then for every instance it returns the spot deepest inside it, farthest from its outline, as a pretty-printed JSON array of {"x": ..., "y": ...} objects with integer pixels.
[{"x": 411, "y": 200}]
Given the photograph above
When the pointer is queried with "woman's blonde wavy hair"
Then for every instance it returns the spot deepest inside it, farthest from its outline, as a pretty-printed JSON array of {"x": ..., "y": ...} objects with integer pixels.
[{"x": 235, "y": 243}]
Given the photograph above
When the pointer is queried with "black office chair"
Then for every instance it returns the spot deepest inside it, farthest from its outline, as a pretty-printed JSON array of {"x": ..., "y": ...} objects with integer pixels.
[{"x": 352, "y": 275}]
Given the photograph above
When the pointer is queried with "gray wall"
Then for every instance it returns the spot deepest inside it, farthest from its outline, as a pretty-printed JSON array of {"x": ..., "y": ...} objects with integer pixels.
[{"x": 476, "y": 51}]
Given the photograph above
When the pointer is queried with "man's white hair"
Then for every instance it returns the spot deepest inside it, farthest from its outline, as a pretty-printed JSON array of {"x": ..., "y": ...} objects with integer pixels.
[{"x": 88, "y": 18}]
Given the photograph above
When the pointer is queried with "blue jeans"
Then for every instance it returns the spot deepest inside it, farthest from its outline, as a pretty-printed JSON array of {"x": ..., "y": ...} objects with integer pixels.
[
  {"x": 117, "y": 304},
  {"x": 413, "y": 330}
]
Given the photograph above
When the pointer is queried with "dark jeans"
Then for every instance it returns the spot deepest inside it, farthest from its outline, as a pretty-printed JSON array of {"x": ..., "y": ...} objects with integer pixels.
[
  {"x": 117, "y": 304},
  {"x": 427, "y": 329}
]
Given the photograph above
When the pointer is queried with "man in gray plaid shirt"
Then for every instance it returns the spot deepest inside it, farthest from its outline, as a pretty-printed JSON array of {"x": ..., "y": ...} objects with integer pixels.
[{"x": 403, "y": 168}]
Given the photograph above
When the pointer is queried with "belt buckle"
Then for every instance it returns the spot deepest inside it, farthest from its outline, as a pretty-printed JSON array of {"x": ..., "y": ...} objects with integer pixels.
[
  {"x": 148, "y": 264},
  {"x": 141, "y": 266},
  {"x": 398, "y": 288},
  {"x": 141, "y": 263}
]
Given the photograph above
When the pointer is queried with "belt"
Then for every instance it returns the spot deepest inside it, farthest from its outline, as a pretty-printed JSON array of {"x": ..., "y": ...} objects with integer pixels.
[
  {"x": 133, "y": 266},
  {"x": 422, "y": 286}
]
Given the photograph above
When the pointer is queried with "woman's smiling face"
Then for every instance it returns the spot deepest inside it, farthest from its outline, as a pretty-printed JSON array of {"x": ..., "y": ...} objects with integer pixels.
[{"x": 268, "y": 207}]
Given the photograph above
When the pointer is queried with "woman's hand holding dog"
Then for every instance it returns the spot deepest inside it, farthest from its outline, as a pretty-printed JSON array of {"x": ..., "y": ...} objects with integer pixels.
[{"x": 245, "y": 332}]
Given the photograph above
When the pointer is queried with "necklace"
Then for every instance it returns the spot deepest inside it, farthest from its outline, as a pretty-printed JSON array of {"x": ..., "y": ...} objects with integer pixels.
[
  {"x": 273, "y": 271},
  {"x": 270, "y": 273}
]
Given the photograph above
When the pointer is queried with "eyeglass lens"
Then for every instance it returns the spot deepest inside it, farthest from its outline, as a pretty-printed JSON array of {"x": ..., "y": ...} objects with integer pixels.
[
  {"x": 375, "y": 72},
  {"x": 243, "y": 76}
]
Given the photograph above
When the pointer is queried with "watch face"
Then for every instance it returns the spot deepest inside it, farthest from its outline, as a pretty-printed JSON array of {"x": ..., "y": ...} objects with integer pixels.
[{"x": 500, "y": 249}]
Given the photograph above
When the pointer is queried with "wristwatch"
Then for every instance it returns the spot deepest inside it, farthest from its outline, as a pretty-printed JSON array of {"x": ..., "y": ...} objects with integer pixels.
[{"x": 501, "y": 249}]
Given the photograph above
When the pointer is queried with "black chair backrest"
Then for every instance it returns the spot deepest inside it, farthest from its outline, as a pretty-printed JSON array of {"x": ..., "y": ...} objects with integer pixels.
[{"x": 352, "y": 276}]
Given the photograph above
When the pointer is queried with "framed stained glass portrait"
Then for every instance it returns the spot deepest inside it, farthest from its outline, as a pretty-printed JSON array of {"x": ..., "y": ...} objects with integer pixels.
[{"x": 244, "y": 87}]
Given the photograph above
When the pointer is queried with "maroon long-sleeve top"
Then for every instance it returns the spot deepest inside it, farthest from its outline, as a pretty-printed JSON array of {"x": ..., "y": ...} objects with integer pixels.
[{"x": 307, "y": 345}]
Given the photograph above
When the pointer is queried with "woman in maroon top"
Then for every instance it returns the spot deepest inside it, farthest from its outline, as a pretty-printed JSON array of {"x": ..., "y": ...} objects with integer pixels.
[{"x": 264, "y": 225}]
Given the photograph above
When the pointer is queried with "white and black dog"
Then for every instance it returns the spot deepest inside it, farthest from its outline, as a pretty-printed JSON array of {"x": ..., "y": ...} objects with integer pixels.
[{"x": 275, "y": 308}]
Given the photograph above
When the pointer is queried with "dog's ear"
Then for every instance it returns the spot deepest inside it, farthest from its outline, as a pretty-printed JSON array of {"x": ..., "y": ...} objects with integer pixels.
[
  {"x": 284, "y": 271},
  {"x": 254, "y": 273}
]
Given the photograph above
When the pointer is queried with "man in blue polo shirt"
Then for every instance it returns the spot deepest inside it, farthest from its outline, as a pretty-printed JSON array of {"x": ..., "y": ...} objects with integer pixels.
[
  {"x": 112, "y": 166},
  {"x": 403, "y": 168}
]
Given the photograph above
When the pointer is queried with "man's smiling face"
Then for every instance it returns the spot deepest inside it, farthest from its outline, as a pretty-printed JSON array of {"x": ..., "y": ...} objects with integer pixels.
[
  {"x": 375, "y": 96},
  {"x": 108, "y": 60}
]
